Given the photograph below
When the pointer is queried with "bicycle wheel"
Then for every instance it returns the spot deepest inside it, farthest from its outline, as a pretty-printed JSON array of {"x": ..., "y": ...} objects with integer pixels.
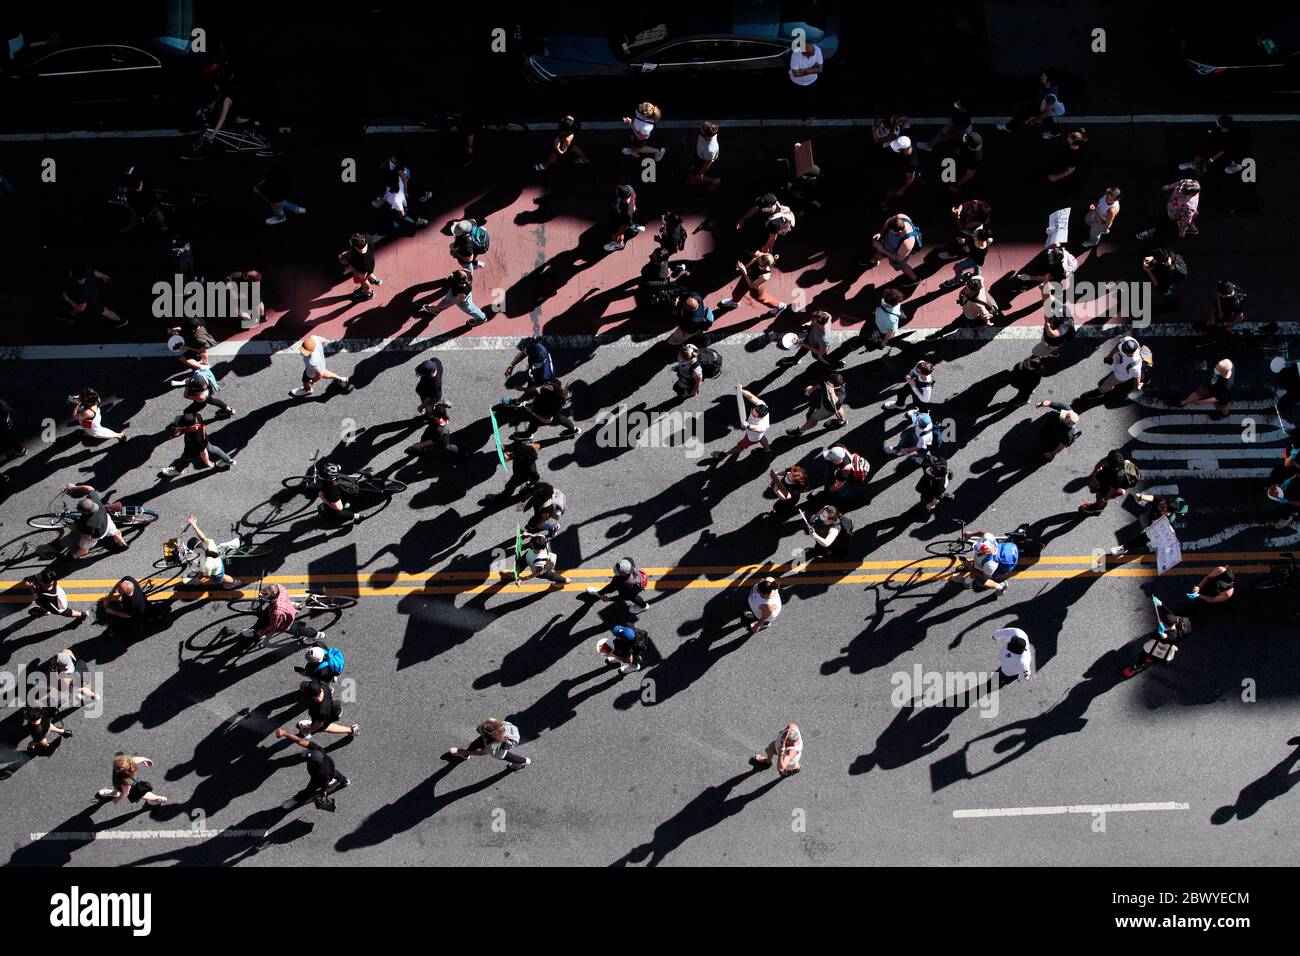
[
  {"x": 245, "y": 605},
  {"x": 296, "y": 483},
  {"x": 326, "y": 602},
  {"x": 47, "y": 522},
  {"x": 385, "y": 486},
  {"x": 1272, "y": 582},
  {"x": 137, "y": 520},
  {"x": 250, "y": 551},
  {"x": 950, "y": 548}
]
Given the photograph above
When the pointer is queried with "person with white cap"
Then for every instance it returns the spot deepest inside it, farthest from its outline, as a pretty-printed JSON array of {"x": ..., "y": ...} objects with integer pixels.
[
  {"x": 904, "y": 159},
  {"x": 626, "y": 585},
  {"x": 469, "y": 240},
  {"x": 989, "y": 560},
  {"x": 848, "y": 477},
  {"x": 322, "y": 663},
  {"x": 1217, "y": 390},
  {"x": 1126, "y": 361},
  {"x": 1015, "y": 657},
  {"x": 312, "y": 350}
]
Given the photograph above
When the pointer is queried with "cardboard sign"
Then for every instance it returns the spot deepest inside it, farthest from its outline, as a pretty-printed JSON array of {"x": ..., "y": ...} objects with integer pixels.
[
  {"x": 1164, "y": 539},
  {"x": 803, "y": 158},
  {"x": 1058, "y": 227}
]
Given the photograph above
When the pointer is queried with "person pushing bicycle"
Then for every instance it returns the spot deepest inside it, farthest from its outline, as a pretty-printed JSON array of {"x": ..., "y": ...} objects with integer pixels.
[
  {"x": 990, "y": 558},
  {"x": 212, "y": 556},
  {"x": 279, "y": 616}
]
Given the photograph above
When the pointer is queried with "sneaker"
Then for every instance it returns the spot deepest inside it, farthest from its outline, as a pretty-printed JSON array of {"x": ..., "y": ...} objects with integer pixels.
[
  {"x": 637, "y": 228},
  {"x": 168, "y": 472},
  {"x": 106, "y": 793},
  {"x": 659, "y": 154},
  {"x": 473, "y": 322},
  {"x": 1233, "y": 168},
  {"x": 629, "y": 668},
  {"x": 1089, "y": 243},
  {"x": 247, "y": 632},
  {"x": 538, "y": 168},
  {"x": 362, "y": 295},
  {"x": 347, "y": 385},
  {"x": 224, "y": 464},
  {"x": 304, "y": 723},
  {"x": 890, "y": 450},
  {"x": 120, "y": 324},
  {"x": 1129, "y": 671},
  {"x": 1050, "y": 135},
  {"x": 300, "y": 211},
  {"x": 891, "y": 404},
  {"x": 1004, "y": 128},
  {"x": 924, "y": 147},
  {"x": 793, "y": 432},
  {"x": 290, "y": 803},
  {"x": 375, "y": 280},
  {"x": 1146, "y": 234},
  {"x": 234, "y": 585},
  {"x": 1118, "y": 550},
  {"x": 613, "y": 246},
  {"x": 1186, "y": 166},
  {"x": 727, "y": 304},
  {"x": 521, "y": 766},
  {"x": 629, "y": 151},
  {"x": 571, "y": 432},
  {"x": 773, "y": 313},
  {"x": 300, "y": 392},
  {"x": 275, "y": 220},
  {"x": 66, "y": 733}
]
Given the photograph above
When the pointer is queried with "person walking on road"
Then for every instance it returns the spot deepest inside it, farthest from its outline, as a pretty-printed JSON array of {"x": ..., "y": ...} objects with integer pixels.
[
  {"x": 1112, "y": 477},
  {"x": 917, "y": 385},
  {"x": 1015, "y": 656},
  {"x": 1059, "y": 430},
  {"x": 640, "y": 125},
  {"x": 196, "y": 448},
  {"x": 550, "y": 406},
  {"x": 39, "y": 724},
  {"x": 312, "y": 350},
  {"x": 776, "y": 219},
  {"x": 787, "y": 488},
  {"x": 88, "y": 413},
  {"x": 623, "y": 218},
  {"x": 469, "y": 240},
  {"x": 323, "y": 777},
  {"x": 323, "y": 712},
  {"x": 523, "y": 471},
  {"x": 358, "y": 261},
  {"x": 754, "y": 276},
  {"x": 627, "y": 584},
  {"x": 564, "y": 144},
  {"x": 764, "y": 605},
  {"x": 198, "y": 392},
  {"x": 48, "y": 597},
  {"x": 785, "y": 752},
  {"x": 755, "y": 426},
  {"x": 1126, "y": 361},
  {"x": 540, "y": 561},
  {"x": 496, "y": 738},
  {"x": 626, "y": 645},
  {"x": 127, "y": 782},
  {"x": 826, "y": 403},
  {"x": 1101, "y": 216},
  {"x": 460, "y": 293},
  {"x": 897, "y": 240},
  {"x": 707, "y": 151},
  {"x": 847, "y": 482},
  {"x": 814, "y": 338},
  {"x": 1181, "y": 210},
  {"x": 1042, "y": 111}
]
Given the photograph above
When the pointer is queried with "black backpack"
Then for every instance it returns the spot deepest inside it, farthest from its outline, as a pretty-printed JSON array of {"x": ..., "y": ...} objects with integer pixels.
[{"x": 710, "y": 362}]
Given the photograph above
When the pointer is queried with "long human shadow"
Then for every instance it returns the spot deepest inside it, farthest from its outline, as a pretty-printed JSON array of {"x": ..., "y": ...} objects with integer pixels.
[
  {"x": 1277, "y": 782},
  {"x": 1018, "y": 738},
  {"x": 918, "y": 731},
  {"x": 706, "y": 811},
  {"x": 890, "y": 634},
  {"x": 549, "y": 645},
  {"x": 412, "y": 808},
  {"x": 65, "y": 838}
]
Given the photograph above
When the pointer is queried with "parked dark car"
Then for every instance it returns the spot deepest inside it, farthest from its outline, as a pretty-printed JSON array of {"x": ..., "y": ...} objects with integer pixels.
[
  {"x": 676, "y": 38},
  {"x": 1258, "y": 47}
]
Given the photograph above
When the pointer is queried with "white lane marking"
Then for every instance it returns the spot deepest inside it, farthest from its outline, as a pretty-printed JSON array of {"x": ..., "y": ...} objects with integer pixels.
[
  {"x": 1161, "y": 490},
  {"x": 1160, "y": 404},
  {"x": 1198, "y": 473},
  {"x": 1283, "y": 540},
  {"x": 1200, "y": 544},
  {"x": 1142, "y": 429},
  {"x": 1079, "y": 808},
  {"x": 76, "y": 134},
  {"x": 1205, "y": 454},
  {"x": 197, "y": 833},
  {"x": 496, "y": 343}
]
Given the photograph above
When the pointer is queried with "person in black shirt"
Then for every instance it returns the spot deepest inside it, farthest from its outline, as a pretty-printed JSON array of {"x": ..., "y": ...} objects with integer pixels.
[
  {"x": 958, "y": 124},
  {"x": 624, "y": 586},
  {"x": 969, "y": 158},
  {"x": 143, "y": 204},
  {"x": 1220, "y": 146},
  {"x": 523, "y": 473},
  {"x": 1217, "y": 390},
  {"x": 48, "y": 597},
  {"x": 460, "y": 293},
  {"x": 198, "y": 392},
  {"x": 436, "y": 434},
  {"x": 1064, "y": 170},
  {"x": 84, "y": 296},
  {"x": 1228, "y": 310},
  {"x": 1057, "y": 431},
  {"x": 196, "y": 449},
  {"x": 903, "y": 170},
  {"x": 40, "y": 727},
  {"x": 358, "y": 261},
  {"x": 332, "y": 488},
  {"x": 549, "y": 406},
  {"x": 125, "y": 605},
  {"x": 323, "y": 711},
  {"x": 429, "y": 385},
  {"x": 1162, "y": 269},
  {"x": 322, "y": 776}
]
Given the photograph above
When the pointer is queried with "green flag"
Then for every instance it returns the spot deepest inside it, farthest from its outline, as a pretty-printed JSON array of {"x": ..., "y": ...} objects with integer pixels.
[
  {"x": 496, "y": 434},
  {"x": 519, "y": 550}
]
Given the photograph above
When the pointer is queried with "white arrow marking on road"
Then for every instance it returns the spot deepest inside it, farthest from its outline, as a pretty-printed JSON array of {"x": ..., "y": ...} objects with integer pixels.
[
  {"x": 1147, "y": 401},
  {"x": 1200, "y": 544},
  {"x": 1206, "y": 454},
  {"x": 1143, "y": 429},
  {"x": 1195, "y": 473}
]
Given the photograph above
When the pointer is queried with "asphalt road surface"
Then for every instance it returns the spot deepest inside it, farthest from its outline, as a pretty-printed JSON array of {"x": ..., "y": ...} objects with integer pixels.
[{"x": 652, "y": 767}]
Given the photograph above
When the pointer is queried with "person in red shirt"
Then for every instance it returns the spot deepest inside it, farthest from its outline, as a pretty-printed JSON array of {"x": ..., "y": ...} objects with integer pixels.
[{"x": 279, "y": 616}]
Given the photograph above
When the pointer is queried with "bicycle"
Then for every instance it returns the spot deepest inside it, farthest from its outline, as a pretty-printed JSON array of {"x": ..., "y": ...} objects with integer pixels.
[
  {"x": 309, "y": 482},
  {"x": 178, "y": 554},
  {"x": 165, "y": 198},
  {"x": 1281, "y": 574},
  {"x": 62, "y": 516},
  {"x": 247, "y": 139},
  {"x": 310, "y": 602},
  {"x": 960, "y": 546}
]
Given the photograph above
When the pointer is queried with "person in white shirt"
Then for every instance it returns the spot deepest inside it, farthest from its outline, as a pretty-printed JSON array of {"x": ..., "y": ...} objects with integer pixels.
[
  {"x": 919, "y": 384},
  {"x": 786, "y": 751},
  {"x": 1016, "y": 656},
  {"x": 642, "y": 125},
  {"x": 1125, "y": 358},
  {"x": 1101, "y": 216},
  {"x": 764, "y": 605},
  {"x": 756, "y": 426},
  {"x": 707, "y": 151},
  {"x": 805, "y": 70},
  {"x": 312, "y": 350}
]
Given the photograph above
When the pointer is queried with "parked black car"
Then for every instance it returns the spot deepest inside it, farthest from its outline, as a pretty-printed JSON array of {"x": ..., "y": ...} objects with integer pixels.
[{"x": 1258, "y": 47}]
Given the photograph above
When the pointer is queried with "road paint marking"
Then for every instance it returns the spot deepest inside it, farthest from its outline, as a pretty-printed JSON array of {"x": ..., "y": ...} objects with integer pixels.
[
  {"x": 1161, "y": 490},
  {"x": 1077, "y": 808},
  {"x": 1147, "y": 401},
  {"x": 1207, "y": 454},
  {"x": 197, "y": 833},
  {"x": 1199, "y": 473},
  {"x": 1143, "y": 429},
  {"x": 510, "y": 343}
]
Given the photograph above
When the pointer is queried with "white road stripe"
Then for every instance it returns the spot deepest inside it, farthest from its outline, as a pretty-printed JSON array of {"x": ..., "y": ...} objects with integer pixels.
[
  {"x": 1230, "y": 435},
  {"x": 197, "y": 833},
  {"x": 1206, "y": 453},
  {"x": 476, "y": 343},
  {"x": 1080, "y": 808},
  {"x": 1198, "y": 473}
]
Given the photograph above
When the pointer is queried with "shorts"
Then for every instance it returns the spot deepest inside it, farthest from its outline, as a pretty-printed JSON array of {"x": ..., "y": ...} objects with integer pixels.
[
  {"x": 359, "y": 278},
  {"x": 138, "y": 789},
  {"x": 820, "y": 413},
  {"x": 310, "y": 377},
  {"x": 774, "y": 748},
  {"x": 746, "y": 441},
  {"x": 86, "y": 541},
  {"x": 896, "y": 265}
]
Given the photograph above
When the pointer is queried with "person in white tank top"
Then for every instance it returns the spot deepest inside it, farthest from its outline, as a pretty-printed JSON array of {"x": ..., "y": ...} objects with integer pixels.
[
  {"x": 1101, "y": 215},
  {"x": 764, "y": 605}
]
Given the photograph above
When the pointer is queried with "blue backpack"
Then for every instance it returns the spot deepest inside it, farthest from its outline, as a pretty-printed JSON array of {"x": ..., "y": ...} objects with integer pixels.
[
  {"x": 333, "y": 663},
  {"x": 1008, "y": 555},
  {"x": 478, "y": 238}
]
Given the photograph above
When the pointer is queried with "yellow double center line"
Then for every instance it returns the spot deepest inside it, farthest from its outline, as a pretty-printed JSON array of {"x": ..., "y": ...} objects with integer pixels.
[{"x": 899, "y": 571}]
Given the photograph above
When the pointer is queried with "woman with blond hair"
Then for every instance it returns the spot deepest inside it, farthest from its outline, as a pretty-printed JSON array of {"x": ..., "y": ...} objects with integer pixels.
[
  {"x": 642, "y": 125},
  {"x": 126, "y": 782},
  {"x": 754, "y": 277},
  {"x": 312, "y": 350},
  {"x": 1058, "y": 432}
]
